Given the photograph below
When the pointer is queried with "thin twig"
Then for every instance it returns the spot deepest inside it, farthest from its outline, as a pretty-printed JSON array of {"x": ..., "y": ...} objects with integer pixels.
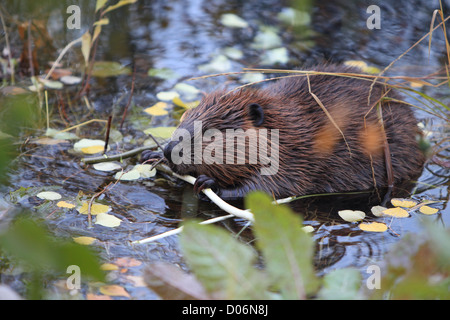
[{"x": 108, "y": 127}]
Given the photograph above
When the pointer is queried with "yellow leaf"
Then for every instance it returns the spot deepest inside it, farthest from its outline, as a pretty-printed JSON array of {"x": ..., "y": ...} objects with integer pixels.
[
  {"x": 403, "y": 203},
  {"x": 92, "y": 149},
  {"x": 161, "y": 132},
  {"x": 396, "y": 212},
  {"x": 428, "y": 210},
  {"x": 109, "y": 267},
  {"x": 159, "y": 109},
  {"x": 107, "y": 220},
  {"x": 96, "y": 208},
  {"x": 373, "y": 227},
  {"x": 114, "y": 290},
  {"x": 100, "y": 4},
  {"x": 84, "y": 240},
  {"x": 64, "y": 204},
  {"x": 101, "y": 22},
  {"x": 186, "y": 105},
  {"x": 362, "y": 65},
  {"x": 86, "y": 46},
  {"x": 119, "y": 4}
]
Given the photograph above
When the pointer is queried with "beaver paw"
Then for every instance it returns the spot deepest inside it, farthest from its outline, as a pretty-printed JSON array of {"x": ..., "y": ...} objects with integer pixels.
[
  {"x": 147, "y": 155},
  {"x": 204, "y": 182}
]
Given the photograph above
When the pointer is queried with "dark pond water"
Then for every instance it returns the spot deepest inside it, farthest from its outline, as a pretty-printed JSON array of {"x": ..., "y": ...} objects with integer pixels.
[{"x": 181, "y": 36}]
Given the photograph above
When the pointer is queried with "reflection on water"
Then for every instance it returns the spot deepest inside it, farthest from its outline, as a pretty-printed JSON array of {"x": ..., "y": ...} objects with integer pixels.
[{"x": 181, "y": 35}]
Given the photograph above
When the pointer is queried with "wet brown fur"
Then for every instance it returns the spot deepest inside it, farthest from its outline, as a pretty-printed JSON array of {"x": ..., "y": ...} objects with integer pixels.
[{"x": 314, "y": 157}]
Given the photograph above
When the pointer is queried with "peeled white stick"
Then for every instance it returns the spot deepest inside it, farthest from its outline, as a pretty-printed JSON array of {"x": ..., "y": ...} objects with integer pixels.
[
  {"x": 178, "y": 230},
  {"x": 233, "y": 211}
]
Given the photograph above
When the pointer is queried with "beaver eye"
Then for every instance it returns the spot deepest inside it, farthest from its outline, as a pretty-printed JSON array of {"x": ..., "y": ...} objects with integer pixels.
[{"x": 256, "y": 114}]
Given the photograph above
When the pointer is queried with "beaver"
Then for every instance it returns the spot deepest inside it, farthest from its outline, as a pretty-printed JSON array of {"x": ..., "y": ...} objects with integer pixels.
[{"x": 329, "y": 137}]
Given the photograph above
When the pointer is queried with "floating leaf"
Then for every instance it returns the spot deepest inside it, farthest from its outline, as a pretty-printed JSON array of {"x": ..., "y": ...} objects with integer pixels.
[
  {"x": 107, "y": 166},
  {"x": 351, "y": 215},
  {"x": 233, "y": 53},
  {"x": 104, "y": 69},
  {"x": 107, "y": 220},
  {"x": 187, "y": 105},
  {"x": 164, "y": 73},
  {"x": 49, "y": 195},
  {"x": 251, "y": 77},
  {"x": 231, "y": 20},
  {"x": 109, "y": 267},
  {"x": 161, "y": 132},
  {"x": 187, "y": 90},
  {"x": 403, "y": 203},
  {"x": 114, "y": 290},
  {"x": 219, "y": 64},
  {"x": 96, "y": 208},
  {"x": 396, "y": 212},
  {"x": 158, "y": 109},
  {"x": 294, "y": 17},
  {"x": 377, "y": 211},
  {"x": 128, "y": 176},
  {"x": 127, "y": 262},
  {"x": 64, "y": 204},
  {"x": 57, "y": 134},
  {"x": 167, "y": 95},
  {"x": 69, "y": 80},
  {"x": 92, "y": 149},
  {"x": 144, "y": 170},
  {"x": 89, "y": 146},
  {"x": 91, "y": 296},
  {"x": 274, "y": 56},
  {"x": 308, "y": 229},
  {"x": 84, "y": 240},
  {"x": 267, "y": 38},
  {"x": 428, "y": 210},
  {"x": 49, "y": 141},
  {"x": 373, "y": 227}
]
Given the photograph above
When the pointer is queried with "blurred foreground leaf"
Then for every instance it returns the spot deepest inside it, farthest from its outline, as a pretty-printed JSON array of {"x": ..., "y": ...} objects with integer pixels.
[
  {"x": 29, "y": 244},
  {"x": 287, "y": 249}
]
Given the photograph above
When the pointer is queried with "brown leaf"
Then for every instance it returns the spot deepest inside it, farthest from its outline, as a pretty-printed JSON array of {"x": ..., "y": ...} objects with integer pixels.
[{"x": 171, "y": 283}]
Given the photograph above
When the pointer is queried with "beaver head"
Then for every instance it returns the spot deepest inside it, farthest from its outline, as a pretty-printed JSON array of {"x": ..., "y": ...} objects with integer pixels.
[{"x": 227, "y": 137}]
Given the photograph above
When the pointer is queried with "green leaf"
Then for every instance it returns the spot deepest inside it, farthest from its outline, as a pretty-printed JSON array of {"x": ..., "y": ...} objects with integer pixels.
[
  {"x": 341, "y": 284},
  {"x": 109, "y": 69},
  {"x": 161, "y": 132},
  {"x": 221, "y": 263},
  {"x": 30, "y": 243},
  {"x": 287, "y": 249}
]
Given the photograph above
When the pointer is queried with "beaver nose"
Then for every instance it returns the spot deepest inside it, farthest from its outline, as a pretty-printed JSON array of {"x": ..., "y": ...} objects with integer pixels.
[{"x": 168, "y": 150}]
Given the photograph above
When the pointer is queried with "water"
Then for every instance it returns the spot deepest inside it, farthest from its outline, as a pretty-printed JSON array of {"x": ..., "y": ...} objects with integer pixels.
[{"x": 182, "y": 35}]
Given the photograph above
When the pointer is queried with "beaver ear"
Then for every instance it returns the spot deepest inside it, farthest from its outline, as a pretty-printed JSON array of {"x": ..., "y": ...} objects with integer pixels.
[{"x": 256, "y": 114}]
